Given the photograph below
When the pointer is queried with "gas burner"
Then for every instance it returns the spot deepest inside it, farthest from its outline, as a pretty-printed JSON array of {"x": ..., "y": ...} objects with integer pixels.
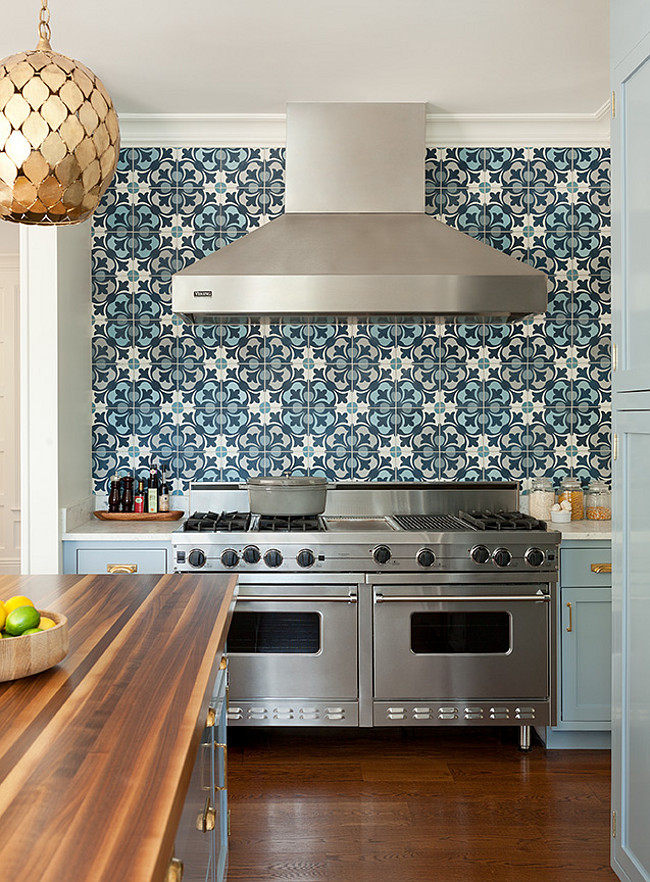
[
  {"x": 211, "y": 522},
  {"x": 502, "y": 520},
  {"x": 289, "y": 524}
]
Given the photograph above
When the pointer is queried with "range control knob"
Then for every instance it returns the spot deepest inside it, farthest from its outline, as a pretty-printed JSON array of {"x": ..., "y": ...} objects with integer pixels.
[
  {"x": 251, "y": 554},
  {"x": 273, "y": 558},
  {"x": 305, "y": 558},
  {"x": 480, "y": 554},
  {"x": 196, "y": 558},
  {"x": 229, "y": 558},
  {"x": 501, "y": 557},
  {"x": 534, "y": 557},
  {"x": 381, "y": 554},
  {"x": 425, "y": 557}
]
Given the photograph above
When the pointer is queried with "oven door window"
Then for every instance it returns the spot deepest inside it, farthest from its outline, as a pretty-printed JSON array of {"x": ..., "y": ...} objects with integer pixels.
[
  {"x": 291, "y": 633},
  {"x": 466, "y": 633}
]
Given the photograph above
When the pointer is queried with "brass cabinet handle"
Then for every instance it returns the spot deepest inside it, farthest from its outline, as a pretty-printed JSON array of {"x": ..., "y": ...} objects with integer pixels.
[
  {"x": 206, "y": 819},
  {"x": 211, "y": 718},
  {"x": 121, "y": 568},
  {"x": 224, "y": 786},
  {"x": 601, "y": 568},
  {"x": 174, "y": 871},
  {"x": 570, "y": 608}
]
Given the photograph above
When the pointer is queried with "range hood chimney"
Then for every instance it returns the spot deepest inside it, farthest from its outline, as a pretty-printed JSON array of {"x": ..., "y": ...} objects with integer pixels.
[{"x": 354, "y": 238}]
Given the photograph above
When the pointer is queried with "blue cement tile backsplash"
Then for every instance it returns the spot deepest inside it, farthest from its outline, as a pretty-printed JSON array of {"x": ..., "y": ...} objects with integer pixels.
[{"x": 356, "y": 398}]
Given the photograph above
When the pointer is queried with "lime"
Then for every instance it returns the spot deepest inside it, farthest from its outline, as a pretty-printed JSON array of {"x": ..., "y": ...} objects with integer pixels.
[
  {"x": 21, "y": 619},
  {"x": 32, "y": 631},
  {"x": 16, "y": 601}
]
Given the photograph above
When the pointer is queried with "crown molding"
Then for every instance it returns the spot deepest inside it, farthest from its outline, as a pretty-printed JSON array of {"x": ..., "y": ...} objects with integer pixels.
[
  {"x": 519, "y": 129},
  {"x": 203, "y": 129},
  {"x": 442, "y": 129}
]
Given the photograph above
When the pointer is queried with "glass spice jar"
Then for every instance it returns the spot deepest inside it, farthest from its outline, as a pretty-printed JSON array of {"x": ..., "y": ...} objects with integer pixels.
[
  {"x": 598, "y": 502},
  {"x": 571, "y": 490},
  {"x": 541, "y": 498}
]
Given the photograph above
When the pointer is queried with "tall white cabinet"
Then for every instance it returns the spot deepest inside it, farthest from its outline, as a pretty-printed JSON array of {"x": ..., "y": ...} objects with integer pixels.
[{"x": 630, "y": 52}]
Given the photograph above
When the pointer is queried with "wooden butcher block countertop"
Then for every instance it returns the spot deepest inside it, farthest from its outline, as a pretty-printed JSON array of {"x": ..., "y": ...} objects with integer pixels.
[{"x": 96, "y": 754}]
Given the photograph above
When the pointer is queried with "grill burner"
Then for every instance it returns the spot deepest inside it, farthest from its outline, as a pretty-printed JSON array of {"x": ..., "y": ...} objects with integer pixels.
[
  {"x": 503, "y": 520},
  {"x": 225, "y": 522},
  {"x": 429, "y": 522},
  {"x": 289, "y": 524}
]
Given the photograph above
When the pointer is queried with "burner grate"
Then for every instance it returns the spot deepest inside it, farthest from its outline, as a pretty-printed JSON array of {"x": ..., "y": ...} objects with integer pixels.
[
  {"x": 502, "y": 520},
  {"x": 224, "y": 522},
  {"x": 429, "y": 522},
  {"x": 290, "y": 524}
]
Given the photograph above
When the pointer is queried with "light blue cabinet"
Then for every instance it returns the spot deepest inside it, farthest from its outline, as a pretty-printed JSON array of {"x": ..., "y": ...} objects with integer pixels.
[
  {"x": 201, "y": 841},
  {"x": 117, "y": 556},
  {"x": 584, "y": 646},
  {"x": 586, "y": 655}
]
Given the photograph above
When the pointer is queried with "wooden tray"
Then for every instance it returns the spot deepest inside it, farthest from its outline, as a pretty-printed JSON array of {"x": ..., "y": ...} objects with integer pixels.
[{"x": 138, "y": 515}]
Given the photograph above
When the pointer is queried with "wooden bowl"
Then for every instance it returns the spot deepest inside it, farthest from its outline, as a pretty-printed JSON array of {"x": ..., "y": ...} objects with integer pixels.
[{"x": 32, "y": 653}]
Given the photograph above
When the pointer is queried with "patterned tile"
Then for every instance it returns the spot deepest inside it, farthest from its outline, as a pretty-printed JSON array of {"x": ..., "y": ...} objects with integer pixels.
[{"x": 352, "y": 398}]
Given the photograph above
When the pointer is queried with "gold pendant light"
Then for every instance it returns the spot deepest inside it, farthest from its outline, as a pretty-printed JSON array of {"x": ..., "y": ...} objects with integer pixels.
[{"x": 59, "y": 136}]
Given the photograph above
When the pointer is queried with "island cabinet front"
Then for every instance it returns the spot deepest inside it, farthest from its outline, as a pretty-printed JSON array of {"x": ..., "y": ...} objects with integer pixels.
[{"x": 201, "y": 844}]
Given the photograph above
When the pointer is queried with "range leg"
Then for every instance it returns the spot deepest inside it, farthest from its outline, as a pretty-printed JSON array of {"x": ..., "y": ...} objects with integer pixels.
[{"x": 524, "y": 738}]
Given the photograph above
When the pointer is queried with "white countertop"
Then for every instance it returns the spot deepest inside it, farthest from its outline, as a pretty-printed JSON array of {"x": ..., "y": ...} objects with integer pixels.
[
  {"x": 95, "y": 530},
  {"x": 584, "y": 529}
]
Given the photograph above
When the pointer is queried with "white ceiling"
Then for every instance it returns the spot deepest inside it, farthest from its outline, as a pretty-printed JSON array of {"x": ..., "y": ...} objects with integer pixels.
[{"x": 252, "y": 56}]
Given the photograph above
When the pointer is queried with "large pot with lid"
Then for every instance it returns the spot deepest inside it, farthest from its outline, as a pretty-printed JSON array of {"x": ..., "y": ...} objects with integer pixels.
[{"x": 287, "y": 495}]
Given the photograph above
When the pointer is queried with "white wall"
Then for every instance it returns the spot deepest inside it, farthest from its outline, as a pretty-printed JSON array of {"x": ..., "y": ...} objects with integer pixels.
[
  {"x": 55, "y": 386},
  {"x": 9, "y": 408}
]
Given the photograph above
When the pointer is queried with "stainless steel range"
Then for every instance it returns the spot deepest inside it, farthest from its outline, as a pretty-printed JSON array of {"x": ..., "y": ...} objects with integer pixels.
[{"x": 403, "y": 604}]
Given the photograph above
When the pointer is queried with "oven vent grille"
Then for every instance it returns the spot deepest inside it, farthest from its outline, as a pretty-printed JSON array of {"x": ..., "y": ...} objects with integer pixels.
[
  {"x": 453, "y": 713},
  {"x": 292, "y": 713}
]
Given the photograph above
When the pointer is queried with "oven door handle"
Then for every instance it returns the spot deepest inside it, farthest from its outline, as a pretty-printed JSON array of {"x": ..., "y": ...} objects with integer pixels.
[
  {"x": 447, "y": 598},
  {"x": 301, "y": 598}
]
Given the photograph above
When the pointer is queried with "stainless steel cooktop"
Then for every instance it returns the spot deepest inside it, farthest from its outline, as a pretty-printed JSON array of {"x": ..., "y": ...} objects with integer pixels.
[{"x": 462, "y": 527}]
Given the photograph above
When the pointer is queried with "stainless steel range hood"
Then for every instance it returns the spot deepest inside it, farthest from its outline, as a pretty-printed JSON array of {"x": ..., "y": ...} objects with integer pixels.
[{"x": 354, "y": 238}]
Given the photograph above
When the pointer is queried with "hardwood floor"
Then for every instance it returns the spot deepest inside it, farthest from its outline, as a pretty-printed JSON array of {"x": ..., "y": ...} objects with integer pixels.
[{"x": 414, "y": 805}]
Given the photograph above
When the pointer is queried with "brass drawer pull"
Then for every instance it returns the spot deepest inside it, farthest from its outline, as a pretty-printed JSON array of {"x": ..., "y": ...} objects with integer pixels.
[
  {"x": 211, "y": 718},
  {"x": 570, "y": 628},
  {"x": 174, "y": 871},
  {"x": 601, "y": 568},
  {"x": 224, "y": 786},
  {"x": 121, "y": 568},
  {"x": 206, "y": 819}
]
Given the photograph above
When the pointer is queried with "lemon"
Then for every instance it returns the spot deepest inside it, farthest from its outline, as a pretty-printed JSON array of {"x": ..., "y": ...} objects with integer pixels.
[
  {"x": 21, "y": 619},
  {"x": 46, "y": 623},
  {"x": 16, "y": 601},
  {"x": 3, "y": 615}
]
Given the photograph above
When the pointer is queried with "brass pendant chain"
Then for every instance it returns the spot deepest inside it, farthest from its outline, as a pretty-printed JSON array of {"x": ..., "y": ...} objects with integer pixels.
[{"x": 44, "y": 32}]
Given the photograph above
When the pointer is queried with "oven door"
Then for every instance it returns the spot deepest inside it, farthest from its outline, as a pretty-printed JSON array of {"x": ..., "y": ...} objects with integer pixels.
[
  {"x": 294, "y": 641},
  {"x": 474, "y": 642}
]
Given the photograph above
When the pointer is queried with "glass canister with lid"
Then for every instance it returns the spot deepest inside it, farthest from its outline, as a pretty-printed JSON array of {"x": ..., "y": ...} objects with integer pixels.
[
  {"x": 541, "y": 498},
  {"x": 598, "y": 502},
  {"x": 571, "y": 490}
]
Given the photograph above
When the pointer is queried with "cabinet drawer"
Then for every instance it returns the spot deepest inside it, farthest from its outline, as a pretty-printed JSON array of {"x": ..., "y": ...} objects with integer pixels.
[
  {"x": 576, "y": 566},
  {"x": 105, "y": 560}
]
